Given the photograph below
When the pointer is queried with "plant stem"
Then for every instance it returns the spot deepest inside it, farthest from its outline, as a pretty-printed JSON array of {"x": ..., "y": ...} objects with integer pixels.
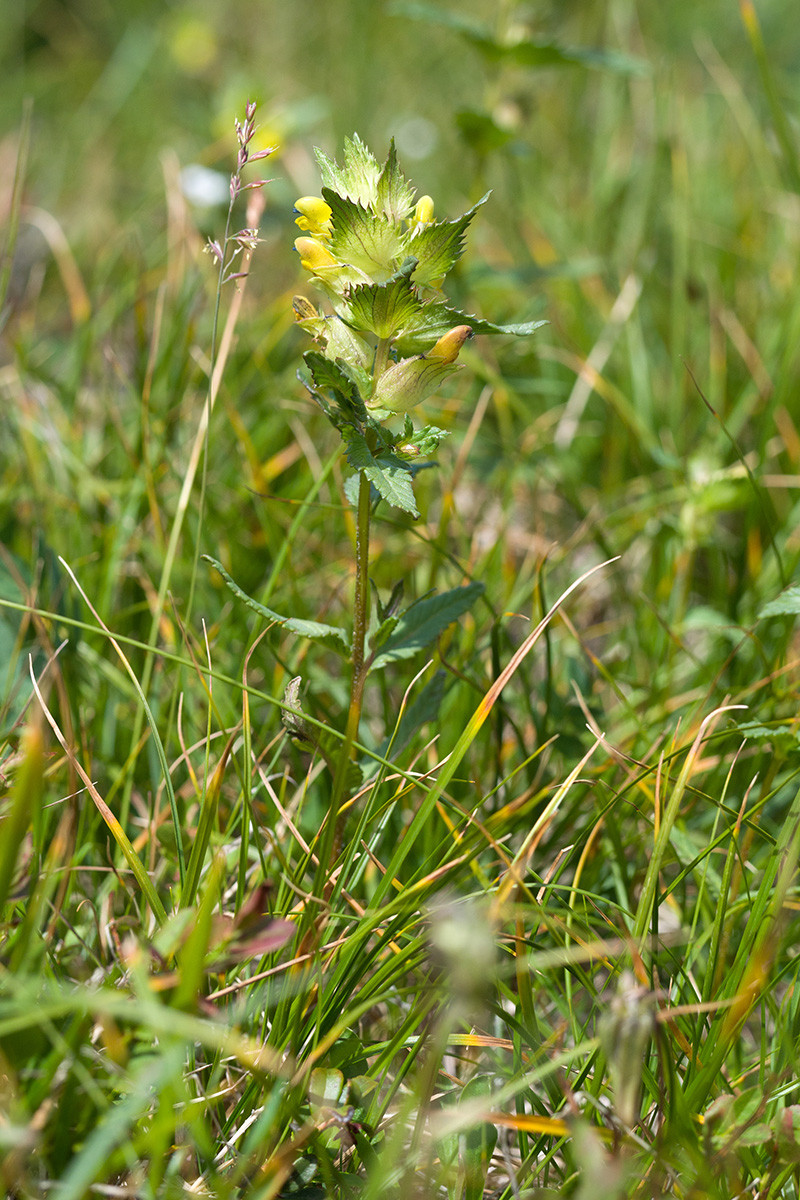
[{"x": 331, "y": 836}]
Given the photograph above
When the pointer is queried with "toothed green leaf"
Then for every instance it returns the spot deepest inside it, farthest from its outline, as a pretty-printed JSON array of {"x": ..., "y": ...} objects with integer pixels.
[
  {"x": 395, "y": 195},
  {"x": 390, "y": 477},
  {"x": 336, "y": 377},
  {"x": 384, "y": 308},
  {"x": 358, "y": 178},
  {"x": 371, "y": 243},
  {"x": 425, "y": 326}
]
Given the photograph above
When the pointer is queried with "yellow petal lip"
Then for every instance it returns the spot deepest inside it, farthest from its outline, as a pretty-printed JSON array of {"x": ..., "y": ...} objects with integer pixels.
[
  {"x": 314, "y": 216},
  {"x": 449, "y": 344},
  {"x": 313, "y": 255}
]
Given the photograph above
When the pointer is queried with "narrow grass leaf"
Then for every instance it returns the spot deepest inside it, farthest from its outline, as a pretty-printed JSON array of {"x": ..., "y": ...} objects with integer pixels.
[{"x": 134, "y": 862}]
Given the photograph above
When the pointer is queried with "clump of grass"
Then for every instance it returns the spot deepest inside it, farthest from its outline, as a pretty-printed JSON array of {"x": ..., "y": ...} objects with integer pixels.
[{"x": 527, "y": 926}]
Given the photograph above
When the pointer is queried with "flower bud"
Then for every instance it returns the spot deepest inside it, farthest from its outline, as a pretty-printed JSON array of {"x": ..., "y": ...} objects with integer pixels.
[
  {"x": 314, "y": 216},
  {"x": 313, "y": 254},
  {"x": 303, "y": 309},
  {"x": 423, "y": 212},
  {"x": 449, "y": 344}
]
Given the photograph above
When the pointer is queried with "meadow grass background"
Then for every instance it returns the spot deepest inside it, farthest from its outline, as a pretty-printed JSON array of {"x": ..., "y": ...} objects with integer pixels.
[{"x": 573, "y": 972}]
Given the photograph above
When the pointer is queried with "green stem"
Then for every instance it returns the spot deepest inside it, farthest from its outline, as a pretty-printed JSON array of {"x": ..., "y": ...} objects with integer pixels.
[{"x": 331, "y": 835}]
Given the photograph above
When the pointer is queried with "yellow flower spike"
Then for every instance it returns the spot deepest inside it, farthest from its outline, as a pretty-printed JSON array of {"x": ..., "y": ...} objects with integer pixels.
[
  {"x": 314, "y": 216},
  {"x": 449, "y": 344},
  {"x": 313, "y": 255},
  {"x": 423, "y": 212}
]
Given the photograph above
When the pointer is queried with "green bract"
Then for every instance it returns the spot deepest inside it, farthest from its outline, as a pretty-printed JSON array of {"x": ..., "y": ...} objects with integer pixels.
[{"x": 381, "y": 258}]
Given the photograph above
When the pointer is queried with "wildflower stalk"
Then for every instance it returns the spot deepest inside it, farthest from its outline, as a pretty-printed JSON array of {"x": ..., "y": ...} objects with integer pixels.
[
  {"x": 332, "y": 835},
  {"x": 389, "y": 343}
]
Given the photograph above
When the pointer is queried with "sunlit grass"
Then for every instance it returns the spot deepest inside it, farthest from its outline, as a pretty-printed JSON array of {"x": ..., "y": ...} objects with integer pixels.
[{"x": 555, "y": 952}]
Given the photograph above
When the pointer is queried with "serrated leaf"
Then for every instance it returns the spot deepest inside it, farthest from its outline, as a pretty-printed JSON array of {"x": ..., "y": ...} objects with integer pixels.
[
  {"x": 328, "y": 635},
  {"x": 337, "y": 377},
  {"x": 369, "y": 242},
  {"x": 395, "y": 195},
  {"x": 440, "y": 245},
  {"x": 766, "y": 733},
  {"x": 388, "y": 475},
  {"x": 427, "y": 439},
  {"x": 431, "y": 321},
  {"x": 421, "y": 624},
  {"x": 358, "y": 178},
  {"x": 785, "y": 605},
  {"x": 383, "y": 308}
]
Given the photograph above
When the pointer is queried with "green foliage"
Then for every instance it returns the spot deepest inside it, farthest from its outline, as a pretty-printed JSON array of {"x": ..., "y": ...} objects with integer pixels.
[{"x": 515, "y": 916}]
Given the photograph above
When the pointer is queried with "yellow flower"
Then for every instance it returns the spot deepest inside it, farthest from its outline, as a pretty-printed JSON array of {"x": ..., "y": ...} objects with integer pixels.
[
  {"x": 313, "y": 255},
  {"x": 314, "y": 216},
  {"x": 449, "y": 344}
]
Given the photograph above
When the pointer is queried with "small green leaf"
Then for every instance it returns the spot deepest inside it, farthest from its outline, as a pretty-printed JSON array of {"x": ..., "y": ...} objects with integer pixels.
[
  {"x": 329, "y": 635},
  {"x": 481, "y": 132},
  {"x": 381, "y": 634},
  {"x": 530, "y": 52},
  {"x": 326, "y": 1087},
  {"x": 786, "y": 1124},
  {"x": 422, "y": 442},
  {"x": 540, "y": 52},
  {"x": 388, "y": 475},
  {"x": 422, "y": 623},
  {"x": 785, "y": 605}
]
